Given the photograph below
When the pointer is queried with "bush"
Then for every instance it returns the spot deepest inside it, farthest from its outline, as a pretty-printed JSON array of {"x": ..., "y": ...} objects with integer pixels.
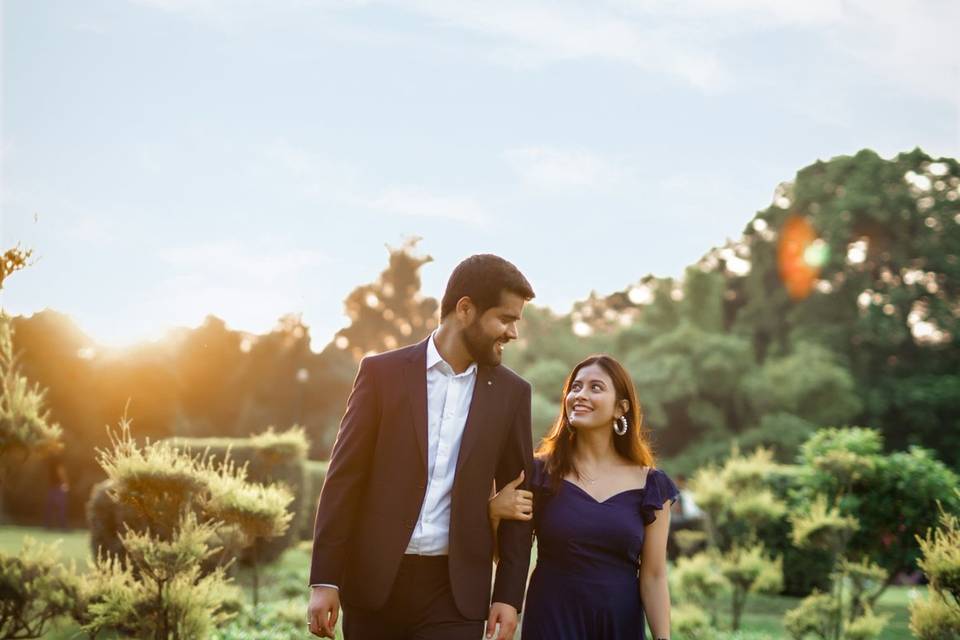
[
  {"x": 937, "y": 616},
  {"x": 316, "y": 473},
  {"x": 270, "y": 458},
  {"x": 273, "y": 621},
  {"x": 35, "y": 588},
  {"x": 688, "y": 622},
  {"x": 190, "y": 510}
]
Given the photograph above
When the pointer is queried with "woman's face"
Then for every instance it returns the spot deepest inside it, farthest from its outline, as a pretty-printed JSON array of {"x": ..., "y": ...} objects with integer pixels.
[{"x": 591, "y": 401}]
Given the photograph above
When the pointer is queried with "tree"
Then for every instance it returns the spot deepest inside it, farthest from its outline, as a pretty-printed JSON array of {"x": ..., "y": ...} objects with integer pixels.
[
  {"x": 390, "y": 312},
  {"x": 887, "y": 252},
  {"x": 13, "y": 260},
  {"x": 189, "y": 510},
  {"x": 739, "y": 504},
  {"x": 25, "y": 425},
  {"x": 937, "y": 617},
  {"x": 35, "y": 589}
]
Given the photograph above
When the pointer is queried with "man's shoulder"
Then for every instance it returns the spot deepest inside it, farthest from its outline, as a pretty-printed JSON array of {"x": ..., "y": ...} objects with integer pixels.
[
  {"x": 511, "y": 377},
  {"x": 403, "y": 354}
]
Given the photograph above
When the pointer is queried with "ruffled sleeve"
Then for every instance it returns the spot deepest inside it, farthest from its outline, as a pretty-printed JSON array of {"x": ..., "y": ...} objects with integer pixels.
[{"x": 659, "y": 489}]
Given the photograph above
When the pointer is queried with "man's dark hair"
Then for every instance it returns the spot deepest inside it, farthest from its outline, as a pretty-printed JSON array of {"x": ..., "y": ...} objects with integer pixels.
[{"x": 483, "y": 278}]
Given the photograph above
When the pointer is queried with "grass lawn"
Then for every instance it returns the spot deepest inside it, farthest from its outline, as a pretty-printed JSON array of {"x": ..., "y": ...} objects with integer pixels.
[
  {"x": 285, "y": 582},
  {"x": 74, "y": 545}
]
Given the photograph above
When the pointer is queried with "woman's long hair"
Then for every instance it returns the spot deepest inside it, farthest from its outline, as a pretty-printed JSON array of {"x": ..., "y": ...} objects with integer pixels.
[{"x": 557, "y": 447}]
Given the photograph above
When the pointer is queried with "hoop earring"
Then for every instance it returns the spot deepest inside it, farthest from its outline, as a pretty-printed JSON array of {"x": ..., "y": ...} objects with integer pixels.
[{"x": 620, "y": 425}]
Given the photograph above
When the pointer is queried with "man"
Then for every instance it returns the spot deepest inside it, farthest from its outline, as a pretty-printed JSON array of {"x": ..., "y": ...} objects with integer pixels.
[{"x": 402, "y": 535}]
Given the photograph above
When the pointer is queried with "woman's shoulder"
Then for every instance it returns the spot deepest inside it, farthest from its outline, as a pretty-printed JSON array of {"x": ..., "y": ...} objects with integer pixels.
[
  {"x": 659, "y": 490},
  {"x": 541, "y": 479}
]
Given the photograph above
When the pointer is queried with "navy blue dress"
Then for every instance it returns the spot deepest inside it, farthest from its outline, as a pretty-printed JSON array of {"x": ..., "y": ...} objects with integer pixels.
[{"x": 585, "y": 584}]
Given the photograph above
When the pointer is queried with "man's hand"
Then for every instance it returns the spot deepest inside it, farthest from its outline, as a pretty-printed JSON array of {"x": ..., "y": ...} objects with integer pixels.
[
  {"x": 506, "y": 616},
  {"x": 323, "y": 610}
]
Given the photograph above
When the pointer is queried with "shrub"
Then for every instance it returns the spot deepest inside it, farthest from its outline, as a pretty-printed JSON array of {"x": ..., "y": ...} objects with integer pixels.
[
  {"x": 189, "y": 510},
  {"x": 316, "y": 473},
  {"x": 35, "y": 588},
  {"x": 688, "y": 622},
  {"x": 270, "y": 458},
  {"x": 25, "y": 425},
  {"x": 937, "y": 616}
]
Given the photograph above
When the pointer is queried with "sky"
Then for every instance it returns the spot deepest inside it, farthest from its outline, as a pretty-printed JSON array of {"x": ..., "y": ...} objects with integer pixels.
[{"x": 170, "y": 159}]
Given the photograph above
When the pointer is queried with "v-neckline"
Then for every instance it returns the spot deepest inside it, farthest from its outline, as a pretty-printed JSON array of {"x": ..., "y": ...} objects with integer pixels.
[{"x": 608, "y": 499}]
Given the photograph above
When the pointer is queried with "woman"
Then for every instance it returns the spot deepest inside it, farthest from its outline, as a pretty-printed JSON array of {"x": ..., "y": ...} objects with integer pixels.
[{"x": 601, "y": 514}]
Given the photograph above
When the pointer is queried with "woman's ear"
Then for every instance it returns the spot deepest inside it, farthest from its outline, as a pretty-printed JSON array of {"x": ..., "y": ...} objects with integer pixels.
[{"x": 624, "y": 407}]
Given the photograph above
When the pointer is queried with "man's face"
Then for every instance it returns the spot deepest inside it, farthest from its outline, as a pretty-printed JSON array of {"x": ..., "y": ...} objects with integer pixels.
[{"x": 486, "y": 336}]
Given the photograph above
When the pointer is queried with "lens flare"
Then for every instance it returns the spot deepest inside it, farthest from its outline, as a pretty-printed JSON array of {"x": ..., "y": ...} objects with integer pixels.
[{"x": 800, "y": 255}]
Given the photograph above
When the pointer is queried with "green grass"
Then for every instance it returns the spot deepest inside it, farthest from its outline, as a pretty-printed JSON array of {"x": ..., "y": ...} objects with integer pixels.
[
  {"x": 74, "y": 545},
  {"x": 285, "y": 581}
]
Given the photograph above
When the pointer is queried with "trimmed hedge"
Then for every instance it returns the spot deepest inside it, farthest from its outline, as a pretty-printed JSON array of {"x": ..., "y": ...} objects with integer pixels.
[
  {"x": 270, "y": 457},
  {"x": 316, "y": 474}
]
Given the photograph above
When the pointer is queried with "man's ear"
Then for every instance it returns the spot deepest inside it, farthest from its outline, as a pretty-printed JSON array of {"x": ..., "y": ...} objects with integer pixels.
[{"x": 466, "y": 311}]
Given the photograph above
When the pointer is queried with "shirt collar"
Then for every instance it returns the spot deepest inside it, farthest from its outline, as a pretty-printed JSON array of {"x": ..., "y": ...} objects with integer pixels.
[{"x": 434, "y": 359}]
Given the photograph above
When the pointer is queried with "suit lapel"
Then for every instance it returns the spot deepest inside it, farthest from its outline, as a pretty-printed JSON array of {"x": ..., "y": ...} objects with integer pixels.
[
  {"x": 416, "y": 375},
  {"x": 481, "y": 404}
]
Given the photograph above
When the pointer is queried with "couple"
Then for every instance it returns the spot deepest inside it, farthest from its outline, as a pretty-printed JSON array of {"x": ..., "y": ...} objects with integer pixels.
[{"x": 403, "y": 532}]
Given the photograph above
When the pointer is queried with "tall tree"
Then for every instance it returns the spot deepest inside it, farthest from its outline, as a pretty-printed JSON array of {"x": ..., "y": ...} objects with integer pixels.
[{"x": 390, "y": 312}]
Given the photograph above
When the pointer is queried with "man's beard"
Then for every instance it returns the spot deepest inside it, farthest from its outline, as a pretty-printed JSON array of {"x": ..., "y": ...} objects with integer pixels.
[{"x": 480, "y": 346}]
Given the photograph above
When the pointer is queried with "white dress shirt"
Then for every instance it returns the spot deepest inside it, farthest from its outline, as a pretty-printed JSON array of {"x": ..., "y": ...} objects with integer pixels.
[{"x": 448, "y": 403}]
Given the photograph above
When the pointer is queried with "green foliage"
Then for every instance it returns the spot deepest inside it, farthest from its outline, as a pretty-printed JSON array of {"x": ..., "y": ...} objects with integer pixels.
[
  {"x": 815, "y": 616},
  {"x": 933, "y": 618},
  {"x": 547, "y": 378},
  {"x": 161, "y": 591},
  {"x": 13, "y": 260},
  {"x": 738, "y": 503},
  {"x": 888, "y": 495},
  {"x": 807, "y": 383},
  {"x": 749, "y": 570},
  {"x": 193, "y": 514},
  {"x": 25, "y": 425},
  {"x": 689, "y": 622},
  {"x": 35, "y": 589},
  {"x": 822, "y": 527},
  {"x": 213, "y": 474},
  {"x": 390, "y": 312},
  {"x": 937, "y": 616},
  {"x": 274, "y": 621},
  {"x": 738, "y": 521},
  {"x": 698, "y": 582},
  {"x": 316, "y": 473}
]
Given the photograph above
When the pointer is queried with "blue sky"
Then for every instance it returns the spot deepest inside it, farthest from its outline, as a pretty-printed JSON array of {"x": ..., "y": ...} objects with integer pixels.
[{"x": 167, "y": 159}]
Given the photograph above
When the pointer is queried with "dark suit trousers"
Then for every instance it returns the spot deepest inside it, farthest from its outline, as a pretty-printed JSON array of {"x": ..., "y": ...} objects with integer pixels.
[{"x": 420, "y": 607}]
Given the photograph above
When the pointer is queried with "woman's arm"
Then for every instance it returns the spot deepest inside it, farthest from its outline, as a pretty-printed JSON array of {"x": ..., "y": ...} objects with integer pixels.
[
  {"x": 510, "y": 504},
  {"x": 653, "y": 574}
]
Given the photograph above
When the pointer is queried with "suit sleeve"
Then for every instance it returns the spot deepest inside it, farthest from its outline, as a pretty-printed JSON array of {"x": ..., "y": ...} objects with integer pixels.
[
  {"x": 346, "y": 480},
  {"x": 514, "y": 537}
]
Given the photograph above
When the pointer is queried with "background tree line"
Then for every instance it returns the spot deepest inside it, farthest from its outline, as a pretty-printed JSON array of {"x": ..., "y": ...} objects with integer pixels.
[{"x": 739, "y": 349}]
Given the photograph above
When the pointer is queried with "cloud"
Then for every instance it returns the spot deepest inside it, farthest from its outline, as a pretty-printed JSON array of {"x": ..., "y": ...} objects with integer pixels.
[
  {"x": 234, "y": 260},
  {"x": 419, "y": 202},
  {"x": 692, "y": 41},
  {"x": 324, "y": 178},
  {"x": 551, "y": 168}
]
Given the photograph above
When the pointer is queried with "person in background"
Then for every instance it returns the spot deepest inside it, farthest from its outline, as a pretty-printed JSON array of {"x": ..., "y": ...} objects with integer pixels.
[{"x": 58, "y": 488}]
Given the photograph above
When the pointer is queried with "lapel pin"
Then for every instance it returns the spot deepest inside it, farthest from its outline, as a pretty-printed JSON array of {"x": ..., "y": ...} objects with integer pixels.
[{"x": 489, "y": 383}]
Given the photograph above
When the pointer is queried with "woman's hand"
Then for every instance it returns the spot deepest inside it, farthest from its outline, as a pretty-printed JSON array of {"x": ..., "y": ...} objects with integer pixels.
[{"x": 512, "y": 503}]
